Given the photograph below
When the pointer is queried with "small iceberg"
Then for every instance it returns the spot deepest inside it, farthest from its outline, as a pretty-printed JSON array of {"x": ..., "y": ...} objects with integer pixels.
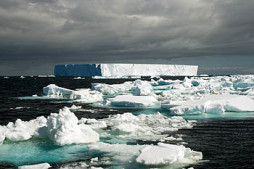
[
  {"x": 152, "y": 155},
  {"x": 133, "y": 101},
  {"x": 213, "y": 104},
  {"x": 167, "y": 154},
  {"x": 81, "y": 95}
]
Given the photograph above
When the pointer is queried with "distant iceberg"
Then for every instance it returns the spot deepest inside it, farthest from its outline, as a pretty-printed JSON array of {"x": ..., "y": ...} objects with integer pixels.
[{"x": 124, "y": 70}]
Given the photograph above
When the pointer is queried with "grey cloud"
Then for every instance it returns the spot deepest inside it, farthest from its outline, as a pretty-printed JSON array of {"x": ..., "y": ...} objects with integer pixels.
[{"x": 134, "y": 30}]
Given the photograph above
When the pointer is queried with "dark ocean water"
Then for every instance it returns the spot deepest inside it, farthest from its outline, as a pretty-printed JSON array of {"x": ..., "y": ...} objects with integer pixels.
[{"x": 224, "y": 143}]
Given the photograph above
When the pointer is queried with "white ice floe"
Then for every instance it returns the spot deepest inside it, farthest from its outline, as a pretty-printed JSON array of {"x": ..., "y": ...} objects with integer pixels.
[
  {"x": 161, "y": 154},
  {"x": 74, "y": 107},
  {"x": 35, "y": 166},
  {"x": 138, "y": 87},
  {"x": 81, "y": 95},
  {"x": 197, "y": 87},
  {"x": 133, "y": 101},
  {"x": 171, "y": 138},
  {"x": 112, "y": 89},
  {"x": 145, "y": 127},
  {"x": 62, "y": 129},
  {"x": 3, "y": 130},
  {"x": 214, "y": 104},
  {"x": 22, "y": 130},
  {"x": 141, "y": 88},
  {"x": 165, "y": 154},
  {"x": 121, "y": 152},
  {"x": 93, "y": 123},
  {"x": 243, "y": 82},
  {"x": 75, "y": 165}
]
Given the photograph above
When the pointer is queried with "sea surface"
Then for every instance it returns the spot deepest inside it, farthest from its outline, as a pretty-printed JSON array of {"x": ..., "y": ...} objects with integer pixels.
[{"x": 226, "y": 142}]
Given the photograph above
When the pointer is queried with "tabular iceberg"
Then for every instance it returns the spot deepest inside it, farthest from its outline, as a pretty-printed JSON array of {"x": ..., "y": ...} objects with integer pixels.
[{"x": 120, "y": 70}]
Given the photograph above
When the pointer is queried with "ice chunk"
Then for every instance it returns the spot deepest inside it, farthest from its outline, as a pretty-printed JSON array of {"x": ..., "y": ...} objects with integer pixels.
[
  {"x": 93, "y": 123},
  {"x": 63, "y": 129},
  {"x": 138, "y": 87},
  {"x": 81, "y": 95},
  {"x": 128, "y": 128},
  {"x": 142, "y": 88},
  {"x": 148, "y": 127},
  {"x": 36, "y": 166},
  {"x": 134, "y": 101},
  {"x": 165, "y": 154},
  {"x": 243, "y": 83},
  {"x": 119, "y": 70},
  {"x": 56, "y": 91},
  {"x": 74, "y": 107},
  {"x": 121, "y": 152},
  {"x": 113, "y": 89},
  {"x": 163, "y": 82},
  {"x": 2, "y": 134},
  {"x": 18, "y": 135},
  {"x": 214, "y": 104},
  {"x": 20, "y": 130},
  {"x": 161, "y": 154},
  {"x": 75, "y": 165}
]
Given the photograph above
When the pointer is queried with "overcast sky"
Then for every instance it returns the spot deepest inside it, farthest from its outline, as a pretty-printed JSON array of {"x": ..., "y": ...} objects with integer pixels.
[{"x": 218, "y": 35}]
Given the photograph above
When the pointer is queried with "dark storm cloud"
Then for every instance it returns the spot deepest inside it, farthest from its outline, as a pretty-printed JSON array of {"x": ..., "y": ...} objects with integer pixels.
[{"x": 124, "y": 30}]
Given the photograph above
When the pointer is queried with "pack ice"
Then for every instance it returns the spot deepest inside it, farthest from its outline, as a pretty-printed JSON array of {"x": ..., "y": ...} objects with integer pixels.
[
  {"x": 144, "y": 126},
  {"x": 133, "y": 101},
  {"x": 62, "y": 128},
  {"x": 157, "y": 155},
  {"x": 214, "y": 104},
  {"x": 164, "y": 154},
  {"x": 138, "y": 88}
]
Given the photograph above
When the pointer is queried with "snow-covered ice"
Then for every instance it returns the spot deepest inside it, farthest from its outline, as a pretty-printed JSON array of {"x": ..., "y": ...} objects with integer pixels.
[
  {"x": 36, "y": 166},
  {"x": 210, "y": 96},
  {"x": 74, "y": 107},
  {"x": 119, "y": 70},
  {"x": 81, "y": 95},
  {"x": 141, "y": 88},
  {"x": 145, "y": 127},
  {"x": 22, "y": 130},
  {"x": 121, "y": 152},
  {"x": 164, "y": 154},
  {"x": 133, "y": 101},
  {"x": 113, "y": 89},
  {"x": 62, "y": 128},
  {"x": 138, "y": 87},
  {"x": 214, "y": 104},
  {"x": 161, "y": 154}
]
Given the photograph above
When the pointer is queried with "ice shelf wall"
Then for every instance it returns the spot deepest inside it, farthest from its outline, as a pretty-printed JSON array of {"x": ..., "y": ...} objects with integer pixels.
[{"x": 120, "y": 70}]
